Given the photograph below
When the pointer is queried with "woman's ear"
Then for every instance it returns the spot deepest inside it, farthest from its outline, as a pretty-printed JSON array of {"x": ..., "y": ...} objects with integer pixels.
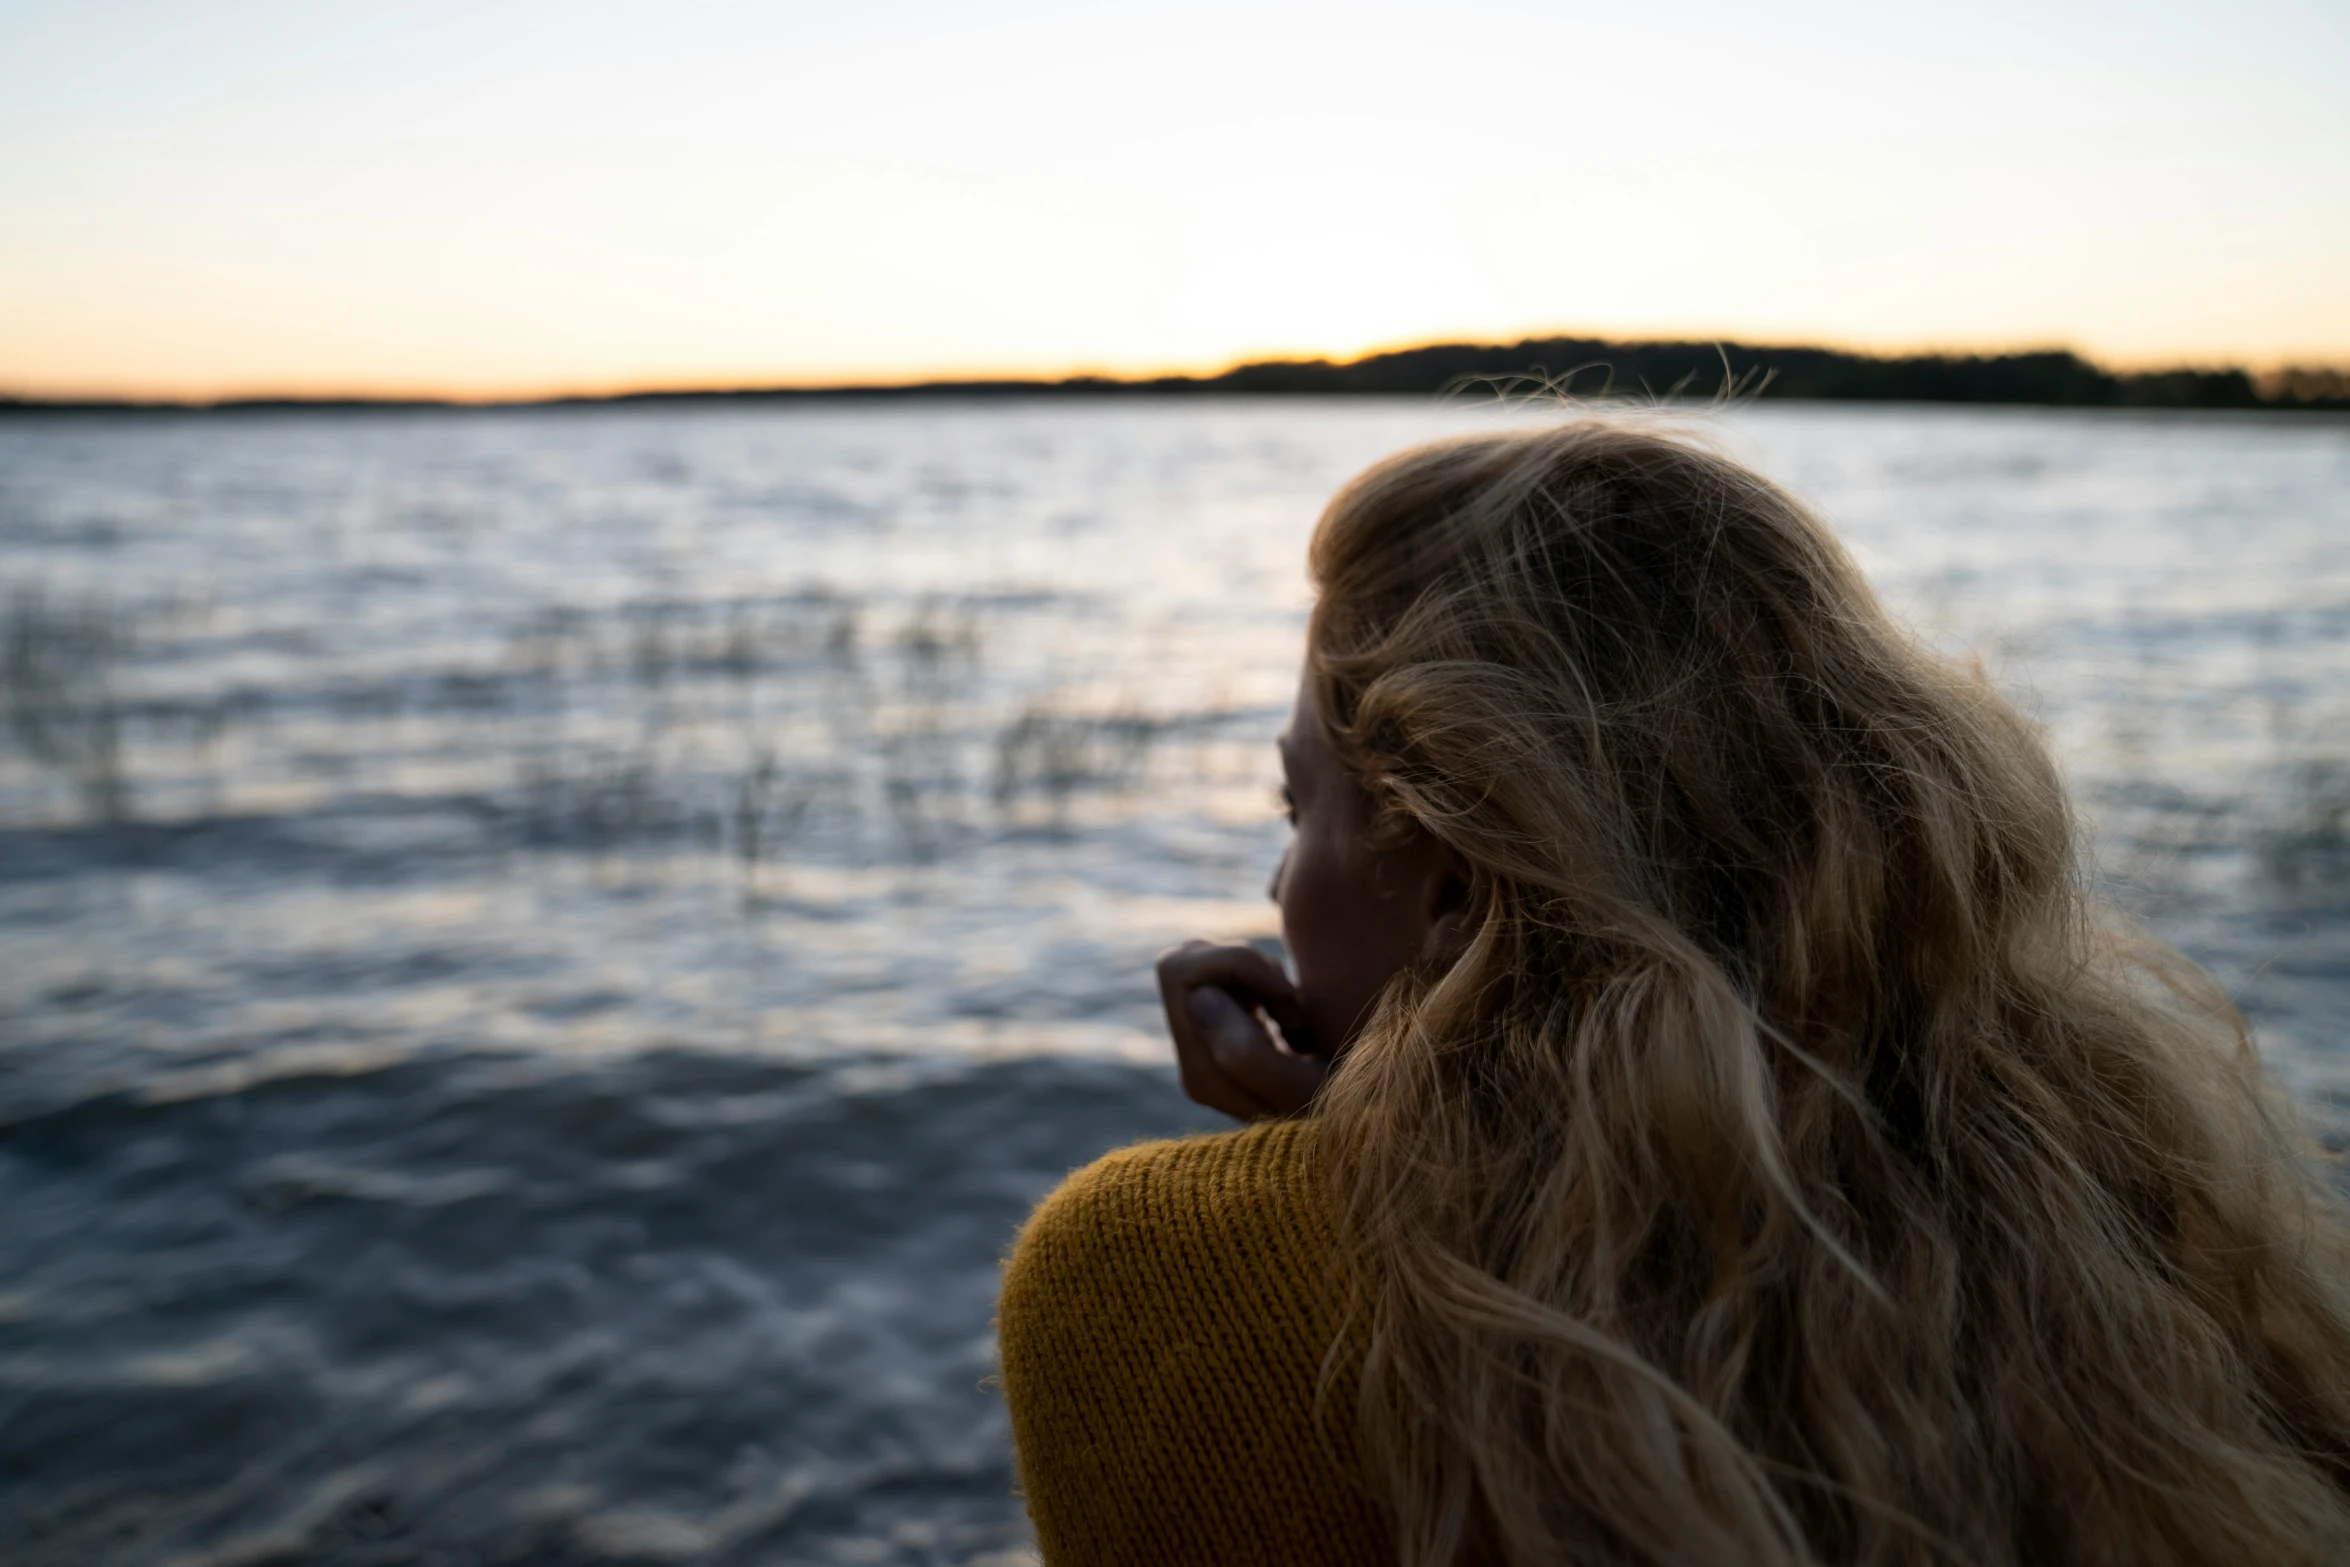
[{"x": 1454, "y": 906}]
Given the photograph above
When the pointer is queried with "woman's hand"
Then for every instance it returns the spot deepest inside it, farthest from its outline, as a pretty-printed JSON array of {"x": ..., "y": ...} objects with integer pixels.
[{"x": 1229, "y": 1059}]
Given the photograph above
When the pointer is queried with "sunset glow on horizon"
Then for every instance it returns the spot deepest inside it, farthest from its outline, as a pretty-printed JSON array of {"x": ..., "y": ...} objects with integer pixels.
[{"x": 519, "y": 197}]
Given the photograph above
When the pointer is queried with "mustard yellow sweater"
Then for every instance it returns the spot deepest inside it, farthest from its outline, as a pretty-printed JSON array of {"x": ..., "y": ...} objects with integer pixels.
[{"x": 1164, "y": 1321}]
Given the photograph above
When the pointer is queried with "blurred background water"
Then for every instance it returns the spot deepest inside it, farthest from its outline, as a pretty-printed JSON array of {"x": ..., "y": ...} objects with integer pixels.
[{"x": 547, "y": 952}]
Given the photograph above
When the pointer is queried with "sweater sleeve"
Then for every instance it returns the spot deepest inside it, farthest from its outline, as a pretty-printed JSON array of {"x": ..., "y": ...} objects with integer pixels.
[{"x": 1164, "y": 1321}]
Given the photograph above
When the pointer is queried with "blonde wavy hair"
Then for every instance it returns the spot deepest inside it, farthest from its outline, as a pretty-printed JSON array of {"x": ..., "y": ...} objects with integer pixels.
[{"x": 1797, "y": 1165}]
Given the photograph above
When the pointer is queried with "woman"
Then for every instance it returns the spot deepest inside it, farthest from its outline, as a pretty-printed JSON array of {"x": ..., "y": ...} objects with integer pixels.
[{"x": 1711, "y": 1121}]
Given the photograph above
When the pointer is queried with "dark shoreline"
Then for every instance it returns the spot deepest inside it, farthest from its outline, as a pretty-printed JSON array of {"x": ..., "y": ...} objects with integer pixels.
[{"x": 1581, "y": 367}]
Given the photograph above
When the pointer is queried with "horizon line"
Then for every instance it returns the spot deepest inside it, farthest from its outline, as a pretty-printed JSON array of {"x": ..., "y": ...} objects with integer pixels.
[{"x": 2300, "y": 385}]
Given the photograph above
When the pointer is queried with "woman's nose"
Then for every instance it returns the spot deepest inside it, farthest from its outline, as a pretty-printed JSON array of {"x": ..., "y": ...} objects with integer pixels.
[{"x": 1273, "y": 885}]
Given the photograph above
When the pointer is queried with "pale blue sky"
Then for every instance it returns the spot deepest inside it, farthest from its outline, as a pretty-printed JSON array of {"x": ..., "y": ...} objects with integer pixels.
[{"x": 526, "y": 195}]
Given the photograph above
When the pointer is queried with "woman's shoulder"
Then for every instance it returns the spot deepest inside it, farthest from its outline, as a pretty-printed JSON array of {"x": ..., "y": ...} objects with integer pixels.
[
  {"x": 1165, "y": 1323},
  {"x": 1247, "y": 1197}
]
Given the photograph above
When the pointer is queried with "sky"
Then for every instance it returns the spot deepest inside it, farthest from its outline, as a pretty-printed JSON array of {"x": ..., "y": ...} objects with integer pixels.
[{"x": 510, "y": 197}]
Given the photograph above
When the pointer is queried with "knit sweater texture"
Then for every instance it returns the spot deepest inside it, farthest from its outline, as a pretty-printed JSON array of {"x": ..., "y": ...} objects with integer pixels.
[{"x": 1165, "y": 1319}]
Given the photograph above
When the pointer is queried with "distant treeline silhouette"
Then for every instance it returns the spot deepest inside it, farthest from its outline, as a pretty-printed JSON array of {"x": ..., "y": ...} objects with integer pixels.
[
  {"x": 1592, "y": 366},
  {"x": 1577, "y": 366}
]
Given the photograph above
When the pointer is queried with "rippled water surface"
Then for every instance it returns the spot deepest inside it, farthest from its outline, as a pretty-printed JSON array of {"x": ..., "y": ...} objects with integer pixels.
[{"x": 546, "y": 953}]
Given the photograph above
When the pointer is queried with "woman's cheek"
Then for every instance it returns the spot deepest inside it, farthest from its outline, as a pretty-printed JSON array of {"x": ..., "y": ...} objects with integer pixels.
[
  {"x": 1315, "y": 925},
  {"x": 1300, "y": 931}
]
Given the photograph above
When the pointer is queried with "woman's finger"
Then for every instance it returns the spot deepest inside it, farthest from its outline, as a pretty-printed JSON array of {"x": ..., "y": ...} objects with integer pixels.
[
  {"x": 1247, "y": 974},
  {"x": 1245, "y": 1054},
  {"x": 1205, "y": 1081},
  {"x": 1200, "y": 1057}
]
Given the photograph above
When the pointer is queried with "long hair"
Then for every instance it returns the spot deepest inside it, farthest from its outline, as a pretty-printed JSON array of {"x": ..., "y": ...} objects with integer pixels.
[{"x": 1797, "y": 1164}]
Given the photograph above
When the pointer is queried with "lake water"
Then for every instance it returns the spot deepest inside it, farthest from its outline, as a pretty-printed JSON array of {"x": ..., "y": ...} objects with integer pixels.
[{"x": 544, "y": 954}]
